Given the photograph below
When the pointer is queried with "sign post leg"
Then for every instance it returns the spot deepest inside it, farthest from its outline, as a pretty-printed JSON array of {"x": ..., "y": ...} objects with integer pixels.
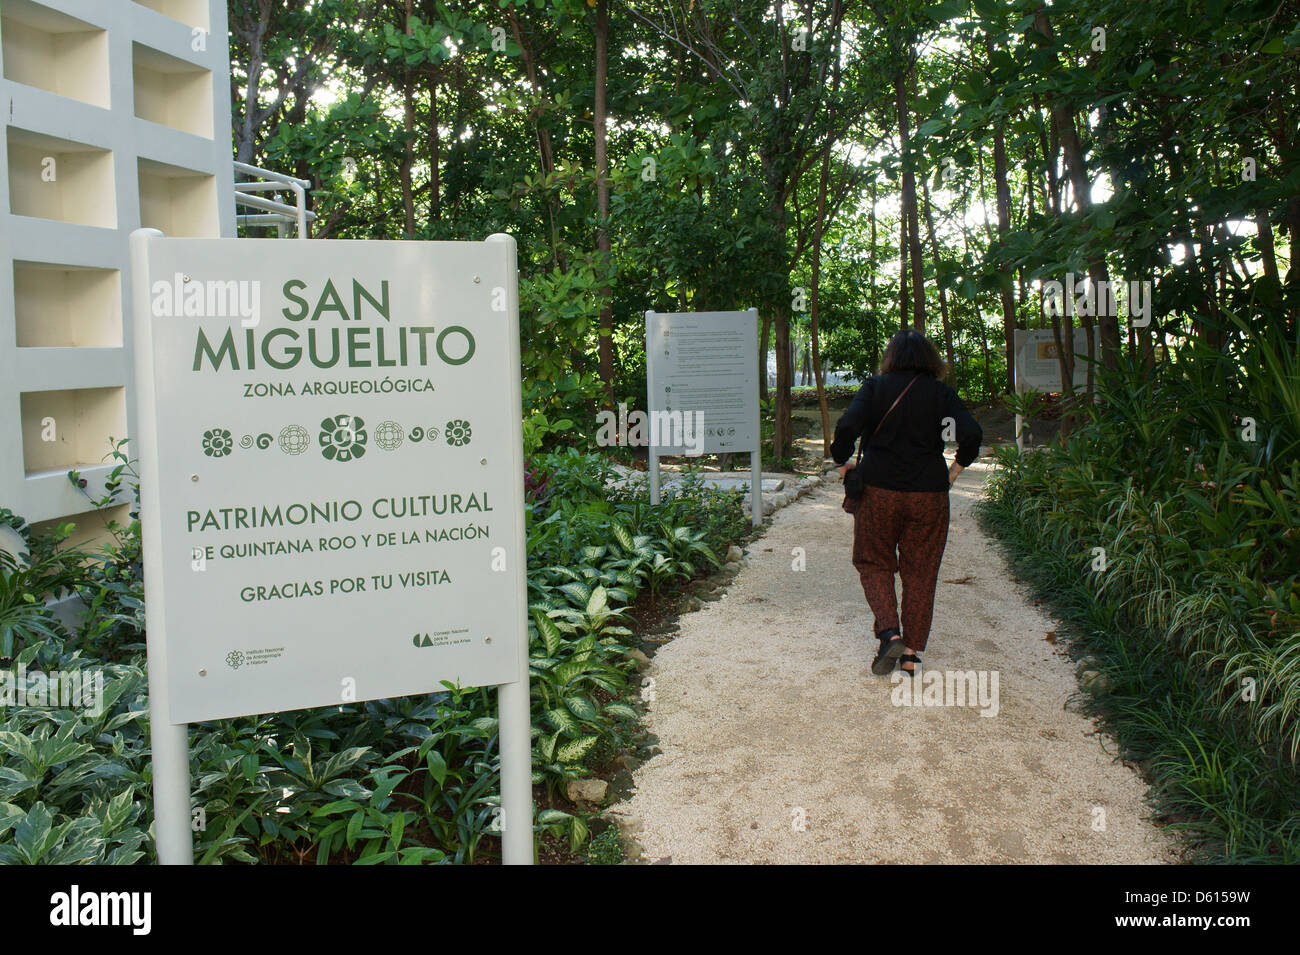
[
  {"x": 514, "y": 719},
  {"x": 516, "y": 773},
  {"x": 171, "y": 787},
  {"x": 654, "y": 477},
  {"x": 756, "y": 489},
  {"x": 1020, "y": 438}
]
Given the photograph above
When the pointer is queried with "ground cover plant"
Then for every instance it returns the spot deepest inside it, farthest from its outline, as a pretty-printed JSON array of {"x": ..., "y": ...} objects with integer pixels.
[
  {"x": 405, "y": 781},
  {"x": 1167, "y": 530}
]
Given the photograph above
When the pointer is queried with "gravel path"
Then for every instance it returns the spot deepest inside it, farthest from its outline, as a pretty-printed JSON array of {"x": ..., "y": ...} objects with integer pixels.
[{"x": 779, "y": 746}]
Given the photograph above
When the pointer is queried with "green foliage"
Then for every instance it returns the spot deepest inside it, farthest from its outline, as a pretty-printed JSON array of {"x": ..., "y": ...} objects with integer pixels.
[
  {"x": 25, "y": 618},
  {"x": 557, "y": 309},
  {"x": 73, "y": 783},
  {"x": 605, "y": 849},
  {"x": 1196, "y": 607},
  {"x": 408, "y": 781}
]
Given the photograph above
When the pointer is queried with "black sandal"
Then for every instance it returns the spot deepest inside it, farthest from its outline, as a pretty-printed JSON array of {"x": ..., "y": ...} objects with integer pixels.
[
  {"x": 914, "y": 660},
  {"x": 891, "y": 647}
]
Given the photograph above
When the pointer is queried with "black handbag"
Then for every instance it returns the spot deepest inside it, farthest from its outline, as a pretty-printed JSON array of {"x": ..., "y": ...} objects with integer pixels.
[
  {"x": 852, "y": 490},
  {"x": 853, "y": 486}
]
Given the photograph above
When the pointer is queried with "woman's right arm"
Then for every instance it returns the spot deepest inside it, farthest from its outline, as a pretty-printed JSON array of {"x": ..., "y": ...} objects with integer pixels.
[{"x": 851, "y": 424}]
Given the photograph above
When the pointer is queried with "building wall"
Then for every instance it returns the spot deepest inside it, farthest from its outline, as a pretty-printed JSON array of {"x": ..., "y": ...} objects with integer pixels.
[{"x": 118, "y": 116}]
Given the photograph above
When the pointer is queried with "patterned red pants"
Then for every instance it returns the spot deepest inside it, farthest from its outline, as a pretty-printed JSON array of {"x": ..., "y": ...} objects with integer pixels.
[{"x": 904, "y": 533}]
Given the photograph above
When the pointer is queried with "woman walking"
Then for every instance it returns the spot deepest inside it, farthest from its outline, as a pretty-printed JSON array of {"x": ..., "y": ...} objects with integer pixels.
[{"x": 900, "y": 524}]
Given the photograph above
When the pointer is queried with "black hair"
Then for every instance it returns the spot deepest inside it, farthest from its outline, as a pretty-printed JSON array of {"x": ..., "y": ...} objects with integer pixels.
[{"x": 910, "y": 350}]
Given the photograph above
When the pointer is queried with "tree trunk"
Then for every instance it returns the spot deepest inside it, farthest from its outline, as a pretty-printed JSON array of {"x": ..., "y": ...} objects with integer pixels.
[
  {"x": 1106, "y": 321},
  {"x": 606, "y": 341},
  {"x": 814, "y": 310},
  {"x": 904, "y": 309},
  {"x": 546, "y": 158},
  {"x": 909, "y": 200},
  {"x": 1293, "y": 273},
  {"x": 934, "y": 252},
  {"x": 246, "y": 131},
  {"x": 435, "y": 152},
  {"x": 984, "y": 346},
  {"x": 872, "y": 263},
  {"x": 781, "y": 411},
  {"x": 1004, "y": 226},
  {"x": 1020, "y": 276},
  {"x": 814, "y": 305},
  {"x": 781, "y": 343},
  {"x": 408, "y": 125},
  {"x": 1264, "y": 229},
  {"x": 1062, "y": 323}
]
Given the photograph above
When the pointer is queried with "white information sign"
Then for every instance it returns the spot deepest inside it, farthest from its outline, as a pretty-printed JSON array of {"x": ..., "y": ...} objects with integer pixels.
[
  {"x": 332, "y": 489},
  {"x": 1037, "y": 365},
  {"x": 703, "y": 366},
  {"x": 702, "y": 389},
  {"x": 1036, "y": 360}
]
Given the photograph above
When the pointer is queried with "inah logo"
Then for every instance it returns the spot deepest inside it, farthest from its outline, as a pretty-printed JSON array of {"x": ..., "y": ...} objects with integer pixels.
[
  {"x": 102, "y": 908},
  {"x": 235, "y": 659}
]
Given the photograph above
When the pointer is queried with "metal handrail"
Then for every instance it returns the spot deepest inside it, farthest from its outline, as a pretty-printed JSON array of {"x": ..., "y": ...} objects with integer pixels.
[{"x": 281, "y": 212}]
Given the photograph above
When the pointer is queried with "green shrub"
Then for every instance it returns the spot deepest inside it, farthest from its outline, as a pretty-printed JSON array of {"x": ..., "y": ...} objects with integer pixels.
[
  {"x": 605, "y": 849},
  {"x": 1168, "y": 529},
  {"x": 409, "y": 780}
]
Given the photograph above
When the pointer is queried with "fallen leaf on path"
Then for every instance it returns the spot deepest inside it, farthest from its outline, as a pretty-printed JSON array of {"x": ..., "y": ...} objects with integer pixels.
[
  {"x": 1051, "y": 636},
  {"x": 963, "y": 580}
]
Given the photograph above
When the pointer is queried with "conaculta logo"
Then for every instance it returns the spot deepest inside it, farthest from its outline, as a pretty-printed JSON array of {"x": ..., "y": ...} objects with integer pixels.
[{"x": 74, "y": 908}]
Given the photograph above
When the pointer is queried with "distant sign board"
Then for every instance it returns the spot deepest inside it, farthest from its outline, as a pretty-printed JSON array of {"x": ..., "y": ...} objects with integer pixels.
[
  {"x": 332, "y": 469},
  {"x": 1037, "y": 363},
  {"x": 702, "y": 371}
]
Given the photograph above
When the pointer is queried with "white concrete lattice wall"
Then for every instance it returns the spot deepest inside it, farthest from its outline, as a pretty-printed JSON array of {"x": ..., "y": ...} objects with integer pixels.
[{"x": 117, "y": 116}]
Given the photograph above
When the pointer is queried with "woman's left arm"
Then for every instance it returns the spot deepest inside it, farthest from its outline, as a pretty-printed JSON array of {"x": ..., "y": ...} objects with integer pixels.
[{"x": 969, "y": 434}]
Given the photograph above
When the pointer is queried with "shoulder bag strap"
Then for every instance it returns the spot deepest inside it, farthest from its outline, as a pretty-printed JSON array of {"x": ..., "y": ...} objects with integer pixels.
[
  {"x": 895, "y": 404},
  {"x": 891, "y": 408}
]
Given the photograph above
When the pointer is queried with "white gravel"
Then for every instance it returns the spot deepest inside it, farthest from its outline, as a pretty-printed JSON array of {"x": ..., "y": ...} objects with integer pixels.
[{"x": 779, "y": 745}]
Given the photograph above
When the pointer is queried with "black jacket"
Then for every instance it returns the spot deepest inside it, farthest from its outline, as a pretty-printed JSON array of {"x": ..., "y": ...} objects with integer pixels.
[{"x": 907, "y": 453}]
